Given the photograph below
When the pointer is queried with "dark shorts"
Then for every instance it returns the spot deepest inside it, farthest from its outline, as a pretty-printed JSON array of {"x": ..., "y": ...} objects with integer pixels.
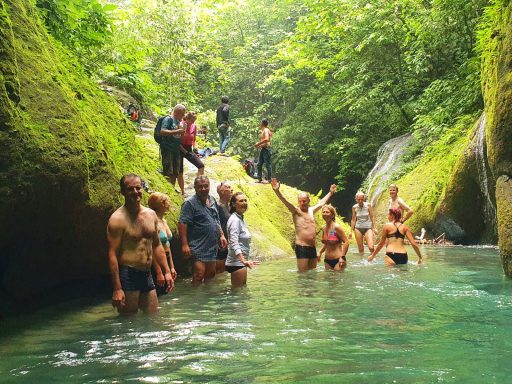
[
  {"x": 398, "y": 258},
  {"x": 134, "y": 280},
  {"x": 233, "y": 268},
  {"x": 222, "y": 254},
  {"x": 191, "y": 157},
  {"x": 171, "y": 163},
  {"x": 333, "y": 262},
  {"x": 305, "y": 252},
  {"x": 363, "y": 230}
]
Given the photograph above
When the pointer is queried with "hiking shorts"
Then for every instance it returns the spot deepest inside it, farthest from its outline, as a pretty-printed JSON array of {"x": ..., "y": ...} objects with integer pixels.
[{"x": 171, "y": 163}]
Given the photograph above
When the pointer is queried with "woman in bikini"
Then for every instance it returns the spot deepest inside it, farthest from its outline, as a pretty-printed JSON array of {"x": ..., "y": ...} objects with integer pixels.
[
  {"x": 334, "y": 239},
  {"x": 395, "y": 232},
  {"x": 362, "y": 223},
  {"x": 160, "y": 203}
]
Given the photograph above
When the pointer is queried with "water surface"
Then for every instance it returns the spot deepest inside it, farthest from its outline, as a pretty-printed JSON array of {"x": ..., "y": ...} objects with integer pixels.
[{"x": 446, "y": 322}]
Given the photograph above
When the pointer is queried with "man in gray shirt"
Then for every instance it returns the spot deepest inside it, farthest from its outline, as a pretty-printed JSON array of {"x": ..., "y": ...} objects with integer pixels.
[{"x": 200, "y": 231}]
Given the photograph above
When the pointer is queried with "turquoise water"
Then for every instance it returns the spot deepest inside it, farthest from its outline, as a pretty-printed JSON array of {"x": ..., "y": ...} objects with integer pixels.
[{"x": 449, "y": 321}]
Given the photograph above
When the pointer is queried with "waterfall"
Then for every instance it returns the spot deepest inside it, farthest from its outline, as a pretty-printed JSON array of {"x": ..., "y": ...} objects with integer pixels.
[
  {"x": 388, "y": 161},
  {"x": 481, "y": 163}
]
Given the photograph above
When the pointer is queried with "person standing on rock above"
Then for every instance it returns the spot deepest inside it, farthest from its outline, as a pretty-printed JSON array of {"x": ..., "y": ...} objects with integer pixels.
[
  {"x": 188, "y": 142},
  {"x": 171, "y": 133},
  {"x": 239, "y": 241},
  {"x": 200, "y": 231},
  {"x": 225, "y": 192},
  {"x": 393, "y": 235},
  {"x": 133, "y": 242},
  {"x": 160, "y": 203},
  {"x": 363, "y": 223},
  {"x": 265, "y": 151},
  {"x": 305, "y": 226},
  {"x": 396, "y": 202},
  {"x": 223, "y": 124}
]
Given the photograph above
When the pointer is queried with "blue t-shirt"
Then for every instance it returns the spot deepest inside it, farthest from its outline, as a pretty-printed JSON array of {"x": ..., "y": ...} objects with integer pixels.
[
  {"x": 170, "y": 143},
  {"x": 203, "y": 226}
]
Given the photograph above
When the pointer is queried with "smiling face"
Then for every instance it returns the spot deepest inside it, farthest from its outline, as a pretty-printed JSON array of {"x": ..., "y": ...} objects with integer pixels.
[
  {"x": 202, "y": 188},
  {"x": 303, "y": 202},
  {"x": 241, "y": 204},
  {"x": 393, "y": 192},
  {"x": 327, "y": 215},
  {"x": 132, "y": 189},
  {"x": 360, "y": 199}
]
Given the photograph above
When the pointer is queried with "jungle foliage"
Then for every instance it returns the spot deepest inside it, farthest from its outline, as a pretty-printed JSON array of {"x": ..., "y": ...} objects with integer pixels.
[{"x": 336, "y": 78}]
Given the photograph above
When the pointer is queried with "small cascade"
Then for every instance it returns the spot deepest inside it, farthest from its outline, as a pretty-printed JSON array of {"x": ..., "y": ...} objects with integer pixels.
[
  {"x": 481, "y": 163},
  {"x": 388, "y": 160}
]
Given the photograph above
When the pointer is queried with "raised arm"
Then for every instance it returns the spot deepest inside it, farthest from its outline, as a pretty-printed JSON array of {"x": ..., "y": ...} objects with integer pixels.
[
  {"x": 325, "y": 199},
  {"x": 114, "y": 235},
  {"x": 275, "y": 187}
]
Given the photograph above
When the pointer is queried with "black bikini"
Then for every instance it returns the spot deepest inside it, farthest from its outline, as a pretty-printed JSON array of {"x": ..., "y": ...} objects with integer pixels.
[
  {"x": 397, "y": 234},
  {"x": 398, "y": 258}
]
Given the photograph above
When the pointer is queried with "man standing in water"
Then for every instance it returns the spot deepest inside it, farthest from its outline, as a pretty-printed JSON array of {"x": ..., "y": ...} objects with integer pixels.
[
  {"x": 200, "y": 231},
  {"x": 305, "y": 226},
  {"x": 132, "y": 244},
  {"x": 223, "y": 124}
]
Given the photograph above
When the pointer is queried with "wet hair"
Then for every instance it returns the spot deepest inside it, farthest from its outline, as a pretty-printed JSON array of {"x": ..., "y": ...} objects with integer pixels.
[
  {"x": 127, "y": 176},
  {"x": 331, "y": 209},
  {"x": 224, "y": 99},
  {"x": 200, "y": 179},
  {"x": 156, "y": 200},
  {"x": 360, "y": 193},
  {"x": 264, "y": 122},
  {"x": 232, "y": 201},
  {"x": 396, "y": 213},
  {"x": 393, "y": 186}
]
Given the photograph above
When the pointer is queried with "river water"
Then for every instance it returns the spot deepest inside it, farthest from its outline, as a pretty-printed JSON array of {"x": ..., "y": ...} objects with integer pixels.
[{"x": 448, "y": 321}]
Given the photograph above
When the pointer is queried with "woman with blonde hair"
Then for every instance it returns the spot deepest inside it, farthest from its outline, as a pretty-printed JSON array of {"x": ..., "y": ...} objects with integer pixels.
[
  {"x": 363, "y": 223},
  {"x": 334, "y": 239},
  {"x": 160, "y": 203}
]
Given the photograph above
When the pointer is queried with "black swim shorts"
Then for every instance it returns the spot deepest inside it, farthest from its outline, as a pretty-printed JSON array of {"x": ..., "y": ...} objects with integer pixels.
[
  {"x": 305, "y": 252},
  {"x": 134, "y": 280},
  {"x": 398, "y": 258}
]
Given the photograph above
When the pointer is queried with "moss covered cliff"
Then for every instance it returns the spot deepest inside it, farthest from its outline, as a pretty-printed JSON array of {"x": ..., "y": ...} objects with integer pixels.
[
  {"x": 64, "y": 146},
  {"x": 497, "y": 89}
]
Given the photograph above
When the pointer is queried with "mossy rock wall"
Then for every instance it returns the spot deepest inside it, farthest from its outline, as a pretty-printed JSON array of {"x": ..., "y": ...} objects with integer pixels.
[
  {"x": 497, "y": 89},
  {"x": 65, "y": 145}
]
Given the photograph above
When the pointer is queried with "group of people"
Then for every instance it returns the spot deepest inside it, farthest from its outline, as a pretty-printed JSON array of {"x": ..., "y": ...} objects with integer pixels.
[{"x": 215, "y": 236}]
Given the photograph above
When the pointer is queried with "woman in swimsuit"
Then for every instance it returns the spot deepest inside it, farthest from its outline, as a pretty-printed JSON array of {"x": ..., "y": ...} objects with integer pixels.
[
  {"x": 239, "y": 241},
  {"x": 395, "y": 232},
  {"x": 396, "y": 202},
  {"x": 160, "y": 203},
  {"x": 334, "y": 239},
  {"x": 363, "y": 224}
]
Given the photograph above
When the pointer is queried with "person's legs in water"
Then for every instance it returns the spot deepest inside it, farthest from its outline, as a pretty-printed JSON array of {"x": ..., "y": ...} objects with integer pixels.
[
  {"x": 369, "y": 240},
  {"x": 239, "y": 277},
  {"x": 359, "y": 240}
]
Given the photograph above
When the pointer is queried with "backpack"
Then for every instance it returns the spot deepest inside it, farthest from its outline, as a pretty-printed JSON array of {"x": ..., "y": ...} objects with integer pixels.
[
  {"x": 158, "y": 128},
  {"x": 250, "y": 167}
]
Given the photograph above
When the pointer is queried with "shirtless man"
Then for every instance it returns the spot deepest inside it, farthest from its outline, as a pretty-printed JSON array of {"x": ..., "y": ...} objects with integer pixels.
[
  {"x": 305, "y": 226},
  {"x": 396, "y": 202},
  {"x": 265, "y": 152},
  {"x": 133, "y": 245}
]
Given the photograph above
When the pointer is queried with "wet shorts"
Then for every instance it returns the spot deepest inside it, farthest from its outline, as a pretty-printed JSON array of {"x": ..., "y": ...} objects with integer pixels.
[
  {"x": 305, "y": 252},
  {"x": 134, "y": 280}
]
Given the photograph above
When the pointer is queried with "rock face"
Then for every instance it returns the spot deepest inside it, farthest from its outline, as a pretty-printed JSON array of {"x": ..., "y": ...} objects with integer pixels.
[
  {"x": 497, "y": 89},
  {"x": 64, "y": 144}
]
